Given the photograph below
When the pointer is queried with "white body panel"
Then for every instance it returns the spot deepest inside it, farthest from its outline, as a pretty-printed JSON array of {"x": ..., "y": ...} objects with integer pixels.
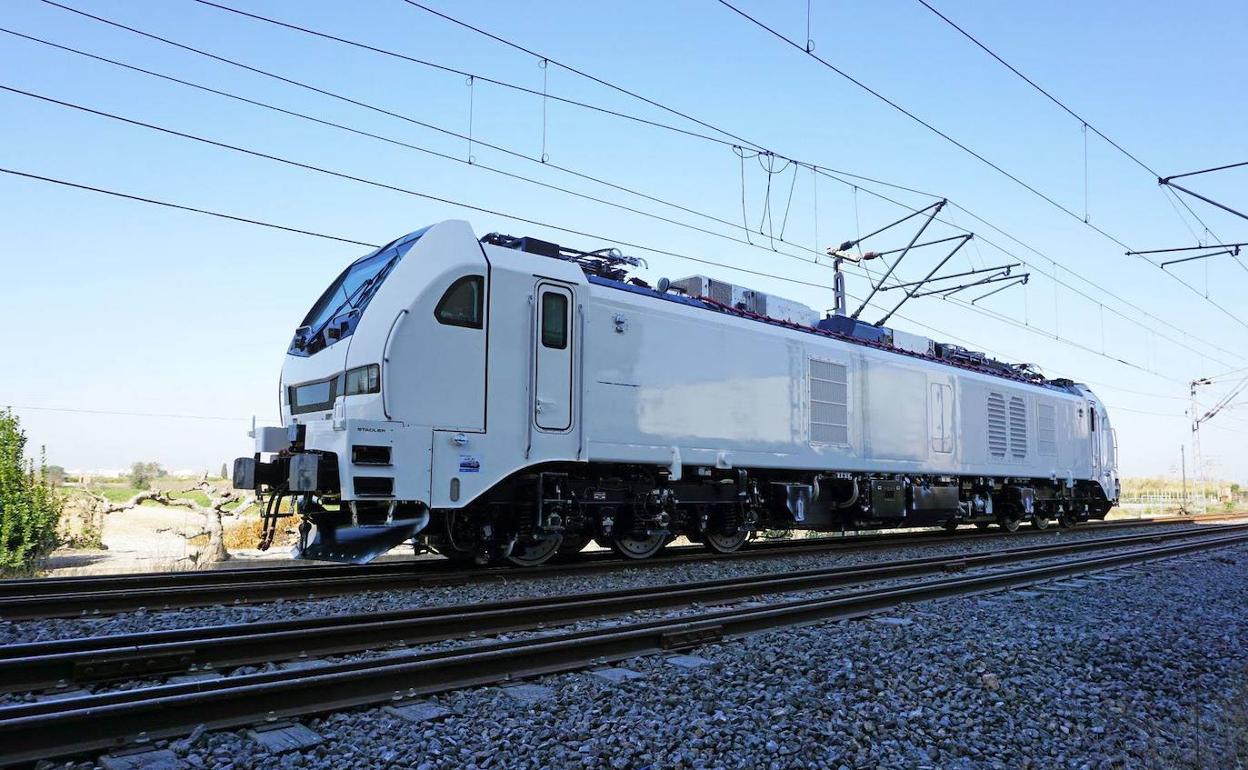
[{"x": 643, "y": 379}]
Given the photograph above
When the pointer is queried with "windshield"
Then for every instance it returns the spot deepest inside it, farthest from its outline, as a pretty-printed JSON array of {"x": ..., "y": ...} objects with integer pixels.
[{"x": 348, "y": 295}]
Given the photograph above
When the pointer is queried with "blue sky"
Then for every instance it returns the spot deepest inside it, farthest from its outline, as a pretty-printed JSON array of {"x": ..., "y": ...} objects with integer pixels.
[{"x": 116, "y": 306}]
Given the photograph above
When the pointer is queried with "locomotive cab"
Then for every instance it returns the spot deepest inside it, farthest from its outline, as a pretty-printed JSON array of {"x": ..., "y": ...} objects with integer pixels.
[
  {"x": 1103, "y": 442},
  {"x": 363, "y": 387}
]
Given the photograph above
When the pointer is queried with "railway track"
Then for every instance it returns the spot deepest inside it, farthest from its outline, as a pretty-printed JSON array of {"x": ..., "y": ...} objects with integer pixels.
[
  {"x": 97, "y": 595},
  {"x": 62, "y": 727},
  {"x": 96, "y": 659}
]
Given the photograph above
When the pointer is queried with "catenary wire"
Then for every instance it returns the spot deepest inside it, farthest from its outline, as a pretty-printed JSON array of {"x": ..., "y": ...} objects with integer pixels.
[
  {"x": 965, "y": 148},
  {"x": 818, "y": 169},
  {"x": 455, "y": 71},
  {"x": 380, "y": 110},
  {"x": 117, "y": 413},
  {"x": 412, "y": 146},
  {"x": 915, "y": 118},
  {"x": 1086, "y": 124},
  {"x": 395, "y": 188},
  {"x": 192, "y": 209},
  {"x": 582, "y": 73},
  {"x": 1051, "y": 276},
  {"x": 823, "y": 170},
  {"x": 408, "y": 191},
  {"x": 969, "y": 306}
]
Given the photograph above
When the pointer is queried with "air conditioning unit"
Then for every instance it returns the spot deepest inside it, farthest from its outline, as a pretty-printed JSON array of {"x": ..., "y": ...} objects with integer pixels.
[
  {"x": 701, "y": 286},
  {"x": 747, "y": 299},
  {"x": 914, "y": 343}
]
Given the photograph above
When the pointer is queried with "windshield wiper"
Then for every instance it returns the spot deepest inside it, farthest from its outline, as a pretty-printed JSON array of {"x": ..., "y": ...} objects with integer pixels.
[{"x": 355, "y": 298}]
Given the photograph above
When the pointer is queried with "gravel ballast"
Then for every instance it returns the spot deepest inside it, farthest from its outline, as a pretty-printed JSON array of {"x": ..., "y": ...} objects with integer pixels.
[
  {"x": 521, "y": 586},
  {"x": 1137, "y": 672}
]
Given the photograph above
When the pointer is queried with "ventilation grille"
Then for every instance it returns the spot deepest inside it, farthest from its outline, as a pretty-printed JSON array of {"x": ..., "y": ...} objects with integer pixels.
[
  {"x": 829, "y": 396},
  {"x": 1018, "y": 427},
  {"x": 1046, "y": 423},
  {"x": 996, "y": 425}
]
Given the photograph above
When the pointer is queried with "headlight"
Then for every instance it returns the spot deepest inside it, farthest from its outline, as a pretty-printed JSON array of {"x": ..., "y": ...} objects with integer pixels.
[{"x": 364, "y": 379}]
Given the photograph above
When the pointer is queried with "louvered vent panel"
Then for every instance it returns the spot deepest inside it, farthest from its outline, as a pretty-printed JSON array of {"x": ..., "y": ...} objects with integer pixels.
[
  {"x": 1046, "y": 433},
  {"x": 1018, "y": 427},
  {"x": 996, "y": 425},
  {"x": 828, "y": 407}
]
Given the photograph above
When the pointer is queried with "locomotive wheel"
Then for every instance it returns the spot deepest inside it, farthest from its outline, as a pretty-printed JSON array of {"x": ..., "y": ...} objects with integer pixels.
[
  {"x": 531, "y": 553},
  {"x": 638, "y": 547},
  {"x": 1009, "y": 522},
  {"x": 1066, "y": 520},
  {"x": 719, "y": 542},
  {"x": 951, "y": 525},
  {"x": 1040, "y": 521}
]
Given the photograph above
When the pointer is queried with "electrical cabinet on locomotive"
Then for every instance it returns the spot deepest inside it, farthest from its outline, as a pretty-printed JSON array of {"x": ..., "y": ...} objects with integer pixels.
[{"x": 507, "y": 399}]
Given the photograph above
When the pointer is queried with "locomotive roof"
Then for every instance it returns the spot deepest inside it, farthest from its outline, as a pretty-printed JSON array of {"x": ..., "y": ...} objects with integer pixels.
[
  {"x": 606, "y": 268},
  {"x": 1063, "y": 385}
]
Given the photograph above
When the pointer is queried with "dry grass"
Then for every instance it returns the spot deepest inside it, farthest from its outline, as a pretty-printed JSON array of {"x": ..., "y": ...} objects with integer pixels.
[{"x": 245, "y": 533}]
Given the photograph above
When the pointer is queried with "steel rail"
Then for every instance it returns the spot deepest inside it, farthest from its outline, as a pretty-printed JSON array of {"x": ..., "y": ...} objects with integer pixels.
[
  {"x": 91, "y": 659},
  {"x": 29, "y": 732},
  {"x": 30, "y": 599},
  {"x": 14, "y": 587}
]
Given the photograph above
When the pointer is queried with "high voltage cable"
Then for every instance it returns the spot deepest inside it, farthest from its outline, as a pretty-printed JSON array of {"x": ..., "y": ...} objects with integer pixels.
[
  {"x": 1054, "y": 278},
  {"x": 974, "y": 308},
  {"x": 181, "y": 207},
  {"x": 391, "y": 187},
  {"x": 969, "y": 306},
  {"x": 575, "y": 71},
  {"x": 368, "y": 106},
  {"x": 377, "y": 49},
  {"x": 453, "y": 70},
  {"x": 1036, "y": 86},
  {"x": 1062, "y": 105},
  {"x": 916, "y": 119},
  {"x": 825, "y": 171},
  {"x": 956, "y": 301},
  {"x": 73, "y": 410},
  {"x": 418, "y": 148},
  {"x": 965, "y": 148},
  {"x": 382, "y": 185}
]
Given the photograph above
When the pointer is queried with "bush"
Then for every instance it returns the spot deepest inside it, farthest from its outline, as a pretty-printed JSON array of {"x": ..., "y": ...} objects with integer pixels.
[
  {"x": 143, "y": 474},
  {"x": 29, "y": 509},
  {"x": 55, "y": 475}
]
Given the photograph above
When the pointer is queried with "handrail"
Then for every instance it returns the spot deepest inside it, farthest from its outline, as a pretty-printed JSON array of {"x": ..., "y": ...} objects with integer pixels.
[
  {"x": 580, "y": 384},
  {"x": 385, "y": 360},
  {"x": 530, "y": 386}
]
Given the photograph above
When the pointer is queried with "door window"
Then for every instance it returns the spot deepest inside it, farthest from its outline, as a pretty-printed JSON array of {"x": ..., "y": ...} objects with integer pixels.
[
  {"x": 940, "y": 414},
  {"x": 554, "y": 320}
]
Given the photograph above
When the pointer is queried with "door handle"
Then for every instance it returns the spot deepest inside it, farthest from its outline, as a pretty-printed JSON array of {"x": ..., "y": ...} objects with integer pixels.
[{"x": 541, "y": 402}]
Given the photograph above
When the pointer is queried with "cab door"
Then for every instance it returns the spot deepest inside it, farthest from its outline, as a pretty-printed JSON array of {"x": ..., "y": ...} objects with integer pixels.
[
  {"x": 1094, "y": 438},
  {"x": 554, "y": 353}
]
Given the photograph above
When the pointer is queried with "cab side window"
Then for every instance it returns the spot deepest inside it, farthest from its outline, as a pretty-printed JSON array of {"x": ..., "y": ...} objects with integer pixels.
[{"x": 463, "y": 304}]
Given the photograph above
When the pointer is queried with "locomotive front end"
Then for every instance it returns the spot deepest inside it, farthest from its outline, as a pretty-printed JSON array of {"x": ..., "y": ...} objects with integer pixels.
[{"x": 350, "y": 459}]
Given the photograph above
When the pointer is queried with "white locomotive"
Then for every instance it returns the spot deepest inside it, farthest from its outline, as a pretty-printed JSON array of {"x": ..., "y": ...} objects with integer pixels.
[{"x": 506, "y": 399}]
